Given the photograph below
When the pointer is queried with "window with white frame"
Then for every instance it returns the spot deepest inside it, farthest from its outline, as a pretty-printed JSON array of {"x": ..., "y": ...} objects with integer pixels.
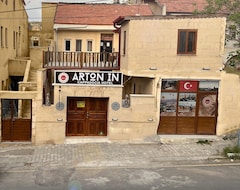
[
  {"x": 89, "y": 45},
  {"x": 78, "y": 45}
]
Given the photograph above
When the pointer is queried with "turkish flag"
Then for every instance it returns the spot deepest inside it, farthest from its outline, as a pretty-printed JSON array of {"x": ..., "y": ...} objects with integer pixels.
[{"x": 188, "y": 86}]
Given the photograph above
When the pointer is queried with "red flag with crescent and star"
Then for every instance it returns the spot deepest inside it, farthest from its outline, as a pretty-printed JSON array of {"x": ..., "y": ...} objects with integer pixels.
[{"x": 188, "y": 86}]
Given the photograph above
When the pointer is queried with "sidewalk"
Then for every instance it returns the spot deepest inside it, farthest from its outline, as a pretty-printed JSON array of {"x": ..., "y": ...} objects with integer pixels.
[{"x": 110, "y": 154}]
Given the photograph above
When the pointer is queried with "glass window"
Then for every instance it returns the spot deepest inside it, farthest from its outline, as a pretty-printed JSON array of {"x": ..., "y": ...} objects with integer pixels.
[
  {"x": 168, "y": 104},
  {"x": 169, "y": 85},
  {"x": 89, "y": 45},
  {"x": 78, "y": 45},
  {"x": 207, "y": 105},
  {"x": 187, "y": 41},
  {"x": 187, "y": 104},
  {"x": 208, "y": 85},
  {"x": 67, "y": 45}
]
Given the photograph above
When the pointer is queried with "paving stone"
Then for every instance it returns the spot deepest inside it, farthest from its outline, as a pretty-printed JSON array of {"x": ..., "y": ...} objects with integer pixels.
[{"x": 108, "y": 154}]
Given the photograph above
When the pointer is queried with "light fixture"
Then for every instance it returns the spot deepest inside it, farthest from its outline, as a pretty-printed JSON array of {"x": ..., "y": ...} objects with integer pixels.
[
  {"x": 152, "y": 68},
  {"x": 206, "y": 69}
]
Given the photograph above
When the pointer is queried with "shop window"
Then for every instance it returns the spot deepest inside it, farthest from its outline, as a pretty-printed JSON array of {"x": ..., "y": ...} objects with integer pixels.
[
  {"x": 207, "y": 105},
  {"x": 184, "y": 97},
  {"x": 187, "y": 104},
  {"x": 169, "y": 85},
  {"x": 208, "y": 98},
  {"x": 208, "y": 86},
  {"x": 187, "y": 41},
  {"x": 168, "y": 105},
  {"x": 67, "y": 45}
]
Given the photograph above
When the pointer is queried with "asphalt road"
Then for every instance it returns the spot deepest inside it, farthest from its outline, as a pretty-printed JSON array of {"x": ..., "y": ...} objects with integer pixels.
[{"x": 207, "y": 177}]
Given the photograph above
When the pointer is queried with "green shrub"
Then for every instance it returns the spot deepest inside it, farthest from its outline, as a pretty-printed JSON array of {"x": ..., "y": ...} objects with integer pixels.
[{"x": 233, "y": 149}]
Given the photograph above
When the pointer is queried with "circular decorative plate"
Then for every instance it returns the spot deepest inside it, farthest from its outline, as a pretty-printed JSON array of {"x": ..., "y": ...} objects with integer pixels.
[
  {"x": 115, "y": 106},
  {"x": 60, "y": 106}
]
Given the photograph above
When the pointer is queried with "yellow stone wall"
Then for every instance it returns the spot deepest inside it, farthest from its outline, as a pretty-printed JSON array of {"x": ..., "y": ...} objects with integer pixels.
[
  {"x": 95, "y": 36},
  {"x": 229, "y": 104},
  {"x": 131, "y": 123},
  {"x": 157, "y": 50},
  {"x": 12, "y": 22},
  {"x": 152, "y": 43},
  {"x": 144, "y": 51}
]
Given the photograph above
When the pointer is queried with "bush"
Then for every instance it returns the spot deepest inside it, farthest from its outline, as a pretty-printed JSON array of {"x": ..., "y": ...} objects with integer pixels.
[{"x": 233, "y": 151}]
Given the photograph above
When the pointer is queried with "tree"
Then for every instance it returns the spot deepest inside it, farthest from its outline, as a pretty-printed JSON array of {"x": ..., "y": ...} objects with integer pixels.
[{"x": 232, "y": 9}]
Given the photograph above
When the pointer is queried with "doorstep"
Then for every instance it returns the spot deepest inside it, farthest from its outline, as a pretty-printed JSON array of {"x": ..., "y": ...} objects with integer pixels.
[
  {"x": 166, "y": 139},
  {"x": 84, "y": 139}
]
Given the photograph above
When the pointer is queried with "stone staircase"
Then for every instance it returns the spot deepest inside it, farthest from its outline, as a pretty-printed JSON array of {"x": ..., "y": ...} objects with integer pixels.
[{"x": 32, "y": 78}]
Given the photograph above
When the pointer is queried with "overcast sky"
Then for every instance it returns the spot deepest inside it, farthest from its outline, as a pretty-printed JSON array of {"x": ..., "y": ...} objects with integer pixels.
[{"x": 33, "y": 7}]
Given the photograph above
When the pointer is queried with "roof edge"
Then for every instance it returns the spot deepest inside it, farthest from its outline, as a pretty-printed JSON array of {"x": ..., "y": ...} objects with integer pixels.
[{"x": 121, "y": 20}]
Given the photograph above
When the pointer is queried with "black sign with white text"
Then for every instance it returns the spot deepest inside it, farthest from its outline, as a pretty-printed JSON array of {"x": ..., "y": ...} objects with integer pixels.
[{"x": 88, "y": 78}]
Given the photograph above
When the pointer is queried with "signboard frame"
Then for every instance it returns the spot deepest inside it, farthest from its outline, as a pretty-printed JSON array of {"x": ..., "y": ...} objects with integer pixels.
[{"x": 88, "y": 78}]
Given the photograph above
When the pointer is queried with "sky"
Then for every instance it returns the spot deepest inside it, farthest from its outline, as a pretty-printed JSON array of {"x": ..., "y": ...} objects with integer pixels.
[{"x": 33, "y": 7}]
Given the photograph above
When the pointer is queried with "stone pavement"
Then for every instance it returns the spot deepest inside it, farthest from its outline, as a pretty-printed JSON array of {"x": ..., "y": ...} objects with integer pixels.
[{"x": 105, "y": 154}]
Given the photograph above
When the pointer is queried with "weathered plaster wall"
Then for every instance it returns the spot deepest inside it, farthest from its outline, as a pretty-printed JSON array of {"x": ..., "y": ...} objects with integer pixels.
[
  {"x": 158, "y": 49},
  {"x": 95, "y": 36},
  {"x": 229, "y": 104}
]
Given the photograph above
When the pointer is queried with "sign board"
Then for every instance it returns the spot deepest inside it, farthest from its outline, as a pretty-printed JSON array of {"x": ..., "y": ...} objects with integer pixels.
[
  {"x": 80, "y": 104},
  {"x": 88, "y": 78}
]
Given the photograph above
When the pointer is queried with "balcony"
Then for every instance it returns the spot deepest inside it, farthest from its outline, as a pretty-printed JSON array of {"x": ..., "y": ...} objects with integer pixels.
[{"x": 81, "y": 60}]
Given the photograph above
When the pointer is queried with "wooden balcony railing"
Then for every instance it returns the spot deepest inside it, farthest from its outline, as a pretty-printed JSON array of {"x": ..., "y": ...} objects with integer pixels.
[{"x": 81, "y": 60}]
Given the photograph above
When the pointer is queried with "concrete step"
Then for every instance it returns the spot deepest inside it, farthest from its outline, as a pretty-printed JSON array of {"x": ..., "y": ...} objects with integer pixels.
[
  {"x": 168, "y": 139},
  {"x": 77, "y": 140}
]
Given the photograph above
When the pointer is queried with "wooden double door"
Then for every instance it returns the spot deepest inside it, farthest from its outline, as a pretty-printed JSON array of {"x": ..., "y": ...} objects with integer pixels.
[
  {"x": 86, "y": 116},
  {"x": 16, "y": 119}
]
